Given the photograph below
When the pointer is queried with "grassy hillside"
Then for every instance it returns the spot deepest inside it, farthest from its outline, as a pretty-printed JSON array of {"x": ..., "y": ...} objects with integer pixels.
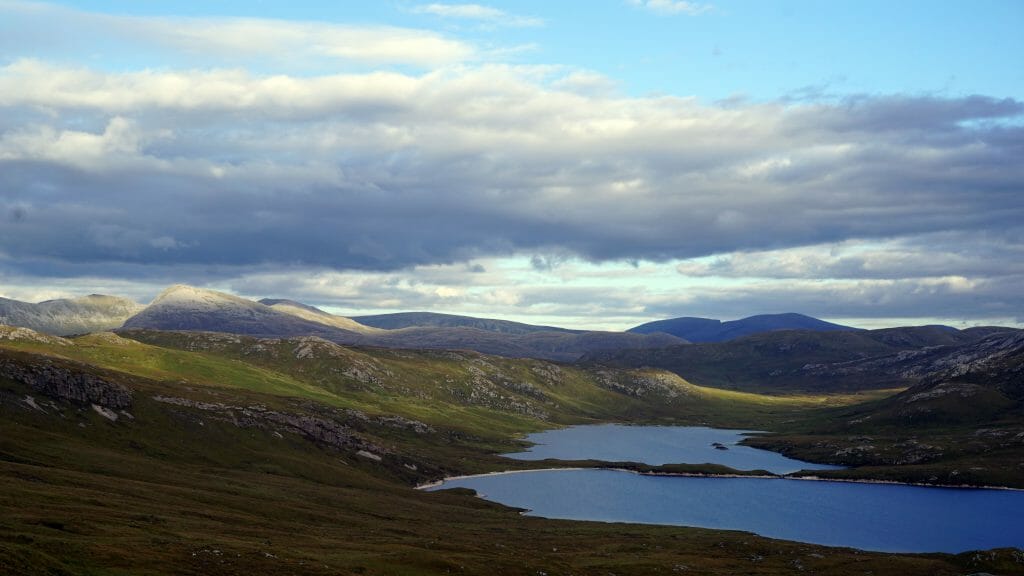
[{"x": 214, "y": 454}]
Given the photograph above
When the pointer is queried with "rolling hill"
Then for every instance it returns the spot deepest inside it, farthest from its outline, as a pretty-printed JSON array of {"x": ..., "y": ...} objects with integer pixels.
[{"x": 710, "y": 330}]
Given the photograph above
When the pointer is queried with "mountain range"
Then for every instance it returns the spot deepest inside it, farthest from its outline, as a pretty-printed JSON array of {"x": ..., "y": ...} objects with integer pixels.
[
  {"x": 187, "y": 308},
  {"x": 763, "y": 350}
]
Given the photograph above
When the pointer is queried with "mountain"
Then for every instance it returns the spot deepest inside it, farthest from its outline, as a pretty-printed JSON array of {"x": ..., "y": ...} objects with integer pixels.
[
  {"x": 314, "y": 314},
  {"x": 710, "y": 330},
  {"x": 765, "y": 361},
  {"x": 435, "y": 320},
  {"x": 183, "y": 307},
  {"x": 70, "y": 315},
  {"x": 187, "y": 308}
]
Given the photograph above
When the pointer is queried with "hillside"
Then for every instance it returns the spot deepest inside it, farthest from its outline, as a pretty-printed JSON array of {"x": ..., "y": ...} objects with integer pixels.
[
  {"x": 768, "y": 361},
  {"x": 195, "y": 453},
  {"x": 69, "y": 316},
  {"x": 962, "y": 421},
  {"x": 435, "y": 320},
  {"x": 710, "y": 330}
]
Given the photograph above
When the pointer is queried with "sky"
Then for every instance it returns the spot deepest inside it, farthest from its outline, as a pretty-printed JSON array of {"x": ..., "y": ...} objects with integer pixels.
[{"x": 585, "y": 164}]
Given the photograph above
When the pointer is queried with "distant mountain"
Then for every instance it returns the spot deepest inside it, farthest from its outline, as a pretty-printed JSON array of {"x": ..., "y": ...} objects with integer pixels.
[
  {"x": 195, "y": 309},
  {"x": 922, "y": 336},
  {"x": 69, "y": 316},
  {"x": 711, "y": 330},
  {"x": 314, "y": 314},
  {"x": 435, "y": 320},
  {"x": 183, "y": 307}
]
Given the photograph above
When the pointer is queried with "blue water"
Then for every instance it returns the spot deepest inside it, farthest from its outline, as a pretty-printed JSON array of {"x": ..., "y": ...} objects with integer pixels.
[
  {"x": 658, "y": 445},
  {"x": 883, "y": 517}
]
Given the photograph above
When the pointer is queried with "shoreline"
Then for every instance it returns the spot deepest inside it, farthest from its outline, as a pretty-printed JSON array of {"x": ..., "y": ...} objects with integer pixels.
[{"x": 436, "y": 483}]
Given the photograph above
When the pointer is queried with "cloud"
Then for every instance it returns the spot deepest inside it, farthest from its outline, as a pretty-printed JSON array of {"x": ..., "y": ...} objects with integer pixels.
[
  {"x": 929, "y": 256},
  {"x": 49, "y": 28},
  {"x": 477, "y": 12},
  {"x": 390, "y": 170},
  {"x": 672, "y": 6}
]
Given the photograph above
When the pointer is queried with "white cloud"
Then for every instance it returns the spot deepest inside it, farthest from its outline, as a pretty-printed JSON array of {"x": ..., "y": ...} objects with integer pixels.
[
  {"x": 477, "y": 12},
  {"x": 672, "y": 6},
  {"x": 249, "y": 40}
]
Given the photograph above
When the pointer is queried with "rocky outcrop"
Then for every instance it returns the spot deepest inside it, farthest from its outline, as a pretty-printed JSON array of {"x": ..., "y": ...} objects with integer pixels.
[
  {"x": 641, "y": 384},
  {"x": 19, "y": 334},
  {"x": 67, "y": 384},
  {"x": 318, "y": 429}
]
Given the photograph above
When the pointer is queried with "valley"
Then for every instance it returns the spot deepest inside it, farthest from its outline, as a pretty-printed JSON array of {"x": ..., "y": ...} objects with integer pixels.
[{"x": 215, "y": 435}]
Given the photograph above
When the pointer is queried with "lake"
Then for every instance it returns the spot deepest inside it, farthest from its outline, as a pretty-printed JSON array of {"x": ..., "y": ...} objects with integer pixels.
[
  {"x": 882, "y": 517},
  {"x": 658, "y": 445}
]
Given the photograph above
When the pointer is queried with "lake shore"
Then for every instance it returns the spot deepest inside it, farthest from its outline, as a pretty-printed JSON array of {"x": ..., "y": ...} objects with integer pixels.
[{"x": 436, "y": 483}]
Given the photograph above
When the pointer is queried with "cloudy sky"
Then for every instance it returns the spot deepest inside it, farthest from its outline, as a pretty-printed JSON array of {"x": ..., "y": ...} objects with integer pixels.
[{"x": 589, "y": 164}]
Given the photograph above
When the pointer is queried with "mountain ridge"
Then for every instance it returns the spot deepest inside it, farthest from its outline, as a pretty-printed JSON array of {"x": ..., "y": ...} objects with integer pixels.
[
  {"x": 699, "y": 330},
  {"x": 183, "y": 307}
]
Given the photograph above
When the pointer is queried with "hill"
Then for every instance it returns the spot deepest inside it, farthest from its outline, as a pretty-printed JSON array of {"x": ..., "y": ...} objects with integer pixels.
[
  {"x": 69, "y": 316},
  {"x": 710, "y": 330},
  {"x": 435, "y": 320},
  {"x": 960, "y": 422}
]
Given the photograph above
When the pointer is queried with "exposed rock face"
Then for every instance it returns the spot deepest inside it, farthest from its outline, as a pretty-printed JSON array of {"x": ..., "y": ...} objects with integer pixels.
[
  {"x": 68, "y": 384},
  {"x": 641, "y": 384},
  {"x": 993, "y": 358}
]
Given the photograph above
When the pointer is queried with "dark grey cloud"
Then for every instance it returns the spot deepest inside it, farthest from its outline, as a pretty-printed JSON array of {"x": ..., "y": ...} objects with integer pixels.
[
  {"x": 223, "y": 174},
  {"x": 421, "y": 186}
]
